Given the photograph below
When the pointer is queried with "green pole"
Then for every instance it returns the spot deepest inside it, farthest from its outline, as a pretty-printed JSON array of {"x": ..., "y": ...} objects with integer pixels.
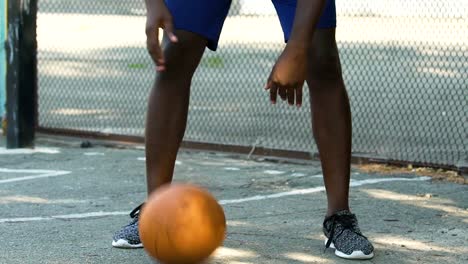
[
  {"x": 3, "y": 34},
  {"x": 21, "y": 74}
]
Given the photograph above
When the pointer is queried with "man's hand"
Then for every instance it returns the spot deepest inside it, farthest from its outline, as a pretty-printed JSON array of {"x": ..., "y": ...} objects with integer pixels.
[
  {"x": 288, "y": 75},
  {"x": 158, "y": 16},
  {"x": 289, "y": 72}
]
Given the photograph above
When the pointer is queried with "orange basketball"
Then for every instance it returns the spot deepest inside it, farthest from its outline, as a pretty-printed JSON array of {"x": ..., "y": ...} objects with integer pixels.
[{"x": 181, "y": 224}]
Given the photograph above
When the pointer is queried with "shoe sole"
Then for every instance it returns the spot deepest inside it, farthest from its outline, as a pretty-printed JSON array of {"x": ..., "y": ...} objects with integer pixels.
[
  {"x": 355, "y": 255},
  {"x": 121, "y": 243}
]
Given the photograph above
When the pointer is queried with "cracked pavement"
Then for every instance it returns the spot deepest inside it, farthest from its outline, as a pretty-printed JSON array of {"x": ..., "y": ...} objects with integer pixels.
[{"x": 76, "y": 198}]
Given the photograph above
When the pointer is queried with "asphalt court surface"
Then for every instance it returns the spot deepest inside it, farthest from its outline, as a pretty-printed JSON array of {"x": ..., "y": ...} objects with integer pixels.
[{"x": 61, "y": 204}]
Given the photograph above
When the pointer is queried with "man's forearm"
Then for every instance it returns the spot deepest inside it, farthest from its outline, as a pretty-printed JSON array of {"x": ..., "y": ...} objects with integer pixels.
[{"x": 306, "y": 18}]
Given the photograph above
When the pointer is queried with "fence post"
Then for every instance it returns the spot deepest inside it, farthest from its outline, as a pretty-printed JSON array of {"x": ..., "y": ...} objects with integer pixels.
[{"x": 21, "y": 51}]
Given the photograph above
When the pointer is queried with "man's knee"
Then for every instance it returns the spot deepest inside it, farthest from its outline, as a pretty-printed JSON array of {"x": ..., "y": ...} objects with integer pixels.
[
  {"x": 183, "y": 56},
  {"x": 324, "y": 60}
]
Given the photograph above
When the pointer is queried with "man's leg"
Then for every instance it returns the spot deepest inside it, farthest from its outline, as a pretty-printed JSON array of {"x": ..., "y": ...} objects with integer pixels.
[
  {"x": 199, "y": 25},
  {"x": 166, "y": 120},
  {"x": 331, "y": 117},
  {"x": 168, "y": 107}
]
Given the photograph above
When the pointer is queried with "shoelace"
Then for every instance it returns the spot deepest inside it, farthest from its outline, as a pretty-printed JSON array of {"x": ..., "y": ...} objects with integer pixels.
[
  {"x": 346, "y": 222},
  {"x": 136, "y": 212}
]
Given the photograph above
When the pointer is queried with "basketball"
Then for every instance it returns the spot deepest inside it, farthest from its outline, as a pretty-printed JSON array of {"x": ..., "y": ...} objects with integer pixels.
[{"x": 181, "y": 224}]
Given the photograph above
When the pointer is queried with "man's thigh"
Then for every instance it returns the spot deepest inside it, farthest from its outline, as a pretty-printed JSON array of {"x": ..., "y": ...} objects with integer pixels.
[
  {"x": 203, "y": 17},
  {"x": 286, "y": 10}
]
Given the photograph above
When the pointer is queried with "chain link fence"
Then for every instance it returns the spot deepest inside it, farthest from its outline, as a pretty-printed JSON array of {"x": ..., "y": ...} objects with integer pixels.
[{"x": 404, "y": 64}]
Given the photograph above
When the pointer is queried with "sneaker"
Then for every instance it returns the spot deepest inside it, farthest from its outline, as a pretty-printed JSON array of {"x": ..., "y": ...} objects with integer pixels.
[
  {"x": 343, "y": 235},
  {"x": 128, "y": 236}
]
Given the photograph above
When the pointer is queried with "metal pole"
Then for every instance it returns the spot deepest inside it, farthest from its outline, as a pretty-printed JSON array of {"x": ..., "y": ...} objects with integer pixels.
[
  {"x": 3, "y": 23},
  {"x": 21, "y": 73}
]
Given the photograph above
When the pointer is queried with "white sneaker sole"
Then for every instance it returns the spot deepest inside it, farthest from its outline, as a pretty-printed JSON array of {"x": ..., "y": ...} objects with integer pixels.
[
  {"x": 121, "y": 243},
  {"x": 355, "y": 255}
]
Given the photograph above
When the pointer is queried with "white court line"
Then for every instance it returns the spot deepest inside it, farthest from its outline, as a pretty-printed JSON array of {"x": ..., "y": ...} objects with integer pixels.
[
  {"x": 274, "y": 172},
  {"x": 93, "y": 154},
  {"x": 61, "y": 217},
  {"x": 300, "y": 175},
  {"x": 39, "y": 174},
  {"x": 223, "y": 202},
  {"x": 232, "y": 169},
  {"x": 177, "y": 162},
  {"x": 316, "y": 176},
  {"x": 5, "y": 151},
  {"x": 317, "y": 189}
]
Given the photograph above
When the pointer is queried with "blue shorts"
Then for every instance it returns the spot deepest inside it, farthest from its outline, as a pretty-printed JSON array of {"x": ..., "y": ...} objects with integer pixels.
[{"x": 206, "y": 17}]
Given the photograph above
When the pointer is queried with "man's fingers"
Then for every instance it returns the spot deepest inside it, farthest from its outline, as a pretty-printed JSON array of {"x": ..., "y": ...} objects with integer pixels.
[
  {"x": 157, "y": 55},
  {"x": 291, "y": 95},
  {"x": 283, "y": 92},
  {"x": 154, "y": 48},
  {"x": 298, "y": 96},
  {"x": 169, "y": 28},
  {"x": 273, "y": 93},
  {"x": 269, "y": 84}
]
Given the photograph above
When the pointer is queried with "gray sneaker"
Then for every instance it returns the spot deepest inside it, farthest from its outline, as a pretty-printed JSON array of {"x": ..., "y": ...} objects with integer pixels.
[
  {"x": 128, "y": 236},
  {"x": 343, "y": 235}
]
